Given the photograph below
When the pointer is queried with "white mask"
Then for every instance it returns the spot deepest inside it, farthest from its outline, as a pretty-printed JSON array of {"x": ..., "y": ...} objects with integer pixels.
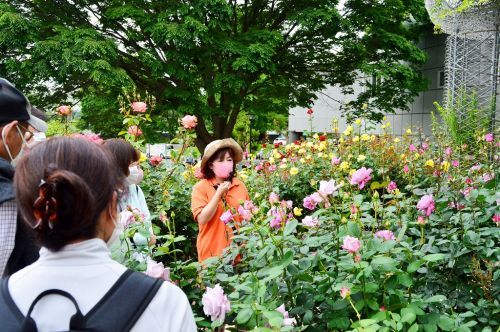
[
  {"x": 117, "y": 232},
  {"x": 135, "y": 176},
  {"x": 14, "y": 160}
]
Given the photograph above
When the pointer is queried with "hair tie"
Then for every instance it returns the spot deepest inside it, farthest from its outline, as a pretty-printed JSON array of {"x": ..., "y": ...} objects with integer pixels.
[{"x": 45, "y": 206}]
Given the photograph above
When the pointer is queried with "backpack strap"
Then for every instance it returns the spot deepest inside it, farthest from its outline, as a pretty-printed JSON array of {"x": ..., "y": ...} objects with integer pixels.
[
  {"x": 10, "y": 315},
  {"x": 124, "y": 303}
]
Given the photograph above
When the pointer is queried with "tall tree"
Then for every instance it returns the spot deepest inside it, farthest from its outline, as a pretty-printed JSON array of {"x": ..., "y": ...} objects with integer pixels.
[{"x": 212, "y": 58}]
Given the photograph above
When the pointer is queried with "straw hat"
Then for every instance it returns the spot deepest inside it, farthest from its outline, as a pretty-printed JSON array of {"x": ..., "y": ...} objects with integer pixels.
[{"x": 213, "y": 146}]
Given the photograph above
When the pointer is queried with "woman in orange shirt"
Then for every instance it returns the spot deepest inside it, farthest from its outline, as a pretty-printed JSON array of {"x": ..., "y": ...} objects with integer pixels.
[{"x": 218, "y": 192}]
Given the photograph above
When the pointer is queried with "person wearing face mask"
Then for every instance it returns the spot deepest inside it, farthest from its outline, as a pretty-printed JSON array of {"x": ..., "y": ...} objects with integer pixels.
[
  {"x": 215, "y": 194},
  {"x": 17, "y": 248},
  {"x": 68, "y": 192},
  {"x": 127, "y": 162}
]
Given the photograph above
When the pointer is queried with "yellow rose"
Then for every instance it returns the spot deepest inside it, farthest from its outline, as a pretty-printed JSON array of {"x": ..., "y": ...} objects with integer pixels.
[
  {"x": 396, "y": 140},
  {"x": 365, "y": 137},
  {"x": 315, "y": 136},
  {"x": 361, "y": 158},
  {"x": 294, "y": 171},
  {"x": 344, "y": 165},
  {"x": 445, "y": 166},
  {"x": 408, "y": 131},
  {"x": 416, "y": 155},
  {"x": 358, "y": 121},
  {"x": 429, "y": 163},
  {"x": 143, "y": 158},
  {"x": 355, "y": 138},
  {"x": 297, "y": 211}
]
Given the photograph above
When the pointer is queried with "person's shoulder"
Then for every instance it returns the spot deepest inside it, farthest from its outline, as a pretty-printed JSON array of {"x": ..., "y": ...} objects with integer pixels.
[
  {"x": 202, "y": 184},
  {"x": 238, "y": 182}
]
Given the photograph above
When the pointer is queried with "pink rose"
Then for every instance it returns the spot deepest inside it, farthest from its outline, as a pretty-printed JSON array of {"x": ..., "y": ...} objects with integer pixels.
[
  {"x": 354, "y": 209},
  {"x": 385, "y": 235},
  {"x": 489, "y": 137},
  {"x": 406, "y": 169},
  {"x": 421, "y": 220},
  {"x": 455, "y": 163},
  {"x": 336, "y": 161},
  {"x": 310, "y": 203},
  {"x": 155, "y": 160},
  {"x": 64, "y": 110},
  {"x": 244, "y": 213},
  {"x": 157, "y": 270},
  {"x": 392, "y": 186},
  {"x": 488, "y": 177},
  {"x": 139, "y": 107},
  {"x": 273, "y": 198},
  {"x": 361, "y": 177},
  {"x": 425, "y": 146},
  {"x": 345, "y": 292},
  {"x": 272, "y": 168},
  {"x": 127, "y": 218},
  {"x": 215, "y": 303},
  {"x": 412, "y": 148},
  {"x": 226, "y": 217},
  {"x": 134, "y": 131},
  {"x": 328, "y": 187},
  {"x": 496, "y": 219},
  {"x": 309, "y": 221},
  {"x": 351, "y": 244},
  {"x": 426, "y": 204},
  {"x": 248, "y": 205},
  {"x": 287, "y": 321},
  {"x": 189, "y": 121},
  {"x": 448, "y": 151}
]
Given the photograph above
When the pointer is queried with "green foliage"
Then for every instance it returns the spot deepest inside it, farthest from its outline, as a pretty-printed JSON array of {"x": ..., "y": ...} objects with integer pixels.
[{"x": 209, "y": 58}]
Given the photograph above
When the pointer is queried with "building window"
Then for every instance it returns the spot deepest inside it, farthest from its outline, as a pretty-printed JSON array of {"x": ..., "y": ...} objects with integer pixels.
[{"x": 441, "y": 79}]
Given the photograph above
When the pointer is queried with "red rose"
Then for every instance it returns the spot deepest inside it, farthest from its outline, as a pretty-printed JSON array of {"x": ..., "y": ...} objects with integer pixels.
[
  {"x": 310, "y": 111},
  {"x": 322, "y": 138}
]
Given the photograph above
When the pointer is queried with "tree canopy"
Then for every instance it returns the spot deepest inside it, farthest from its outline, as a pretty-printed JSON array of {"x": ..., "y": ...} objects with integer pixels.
[{"x": 211, "y": 58}]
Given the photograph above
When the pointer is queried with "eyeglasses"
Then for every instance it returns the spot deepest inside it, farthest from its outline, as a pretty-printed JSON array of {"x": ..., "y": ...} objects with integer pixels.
[{"x": 27, "y": 133}]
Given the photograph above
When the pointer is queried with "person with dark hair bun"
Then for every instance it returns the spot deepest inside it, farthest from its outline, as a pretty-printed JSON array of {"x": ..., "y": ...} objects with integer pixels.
[
  {"x": 67, "y": 190},
  {"x": 217, "y": 192}
]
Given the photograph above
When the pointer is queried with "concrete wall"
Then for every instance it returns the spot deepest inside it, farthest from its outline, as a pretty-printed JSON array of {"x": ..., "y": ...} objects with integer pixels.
[{"x": 326, "y": 107}]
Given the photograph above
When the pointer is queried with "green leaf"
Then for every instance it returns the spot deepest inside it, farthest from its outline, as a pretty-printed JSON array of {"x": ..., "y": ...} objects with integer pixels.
[
  {"x": 290, "y": 227},
  {"x": 414, "y": 266},
  {"x": 274, "y": 317},
  {"x": 407, "y": 315},
  {"x": 383, "y": 263},
  {"x": 435, "y": 298},
  {"x": 413, "y": 328},
  {"x": 433, "y": 257},
  {"x": 446, "y": 323},
  {"x": 244, "y": 315},
  {"x": 405, "y": 279}
]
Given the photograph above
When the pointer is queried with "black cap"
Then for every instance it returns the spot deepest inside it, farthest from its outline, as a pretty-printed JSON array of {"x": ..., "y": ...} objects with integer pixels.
[{"x": 15, "y": 106}]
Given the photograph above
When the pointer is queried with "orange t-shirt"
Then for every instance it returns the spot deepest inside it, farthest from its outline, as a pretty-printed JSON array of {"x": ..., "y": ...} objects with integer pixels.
[{"x": 214, "y": 236}]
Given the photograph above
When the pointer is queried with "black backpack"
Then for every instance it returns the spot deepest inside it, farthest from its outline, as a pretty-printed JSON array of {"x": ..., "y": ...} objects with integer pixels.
[{"x": 118, "y": 310}]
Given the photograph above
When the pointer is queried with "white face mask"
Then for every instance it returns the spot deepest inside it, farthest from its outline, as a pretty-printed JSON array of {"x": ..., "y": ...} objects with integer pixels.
[
  {"x": 135, "y": 176},
  {"x": 14, "y": 160},
  {"x": 117, "y": 232}
]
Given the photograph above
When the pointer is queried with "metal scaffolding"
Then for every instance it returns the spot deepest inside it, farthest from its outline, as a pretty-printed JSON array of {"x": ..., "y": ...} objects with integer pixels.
[{"x": 472, "y": 59}]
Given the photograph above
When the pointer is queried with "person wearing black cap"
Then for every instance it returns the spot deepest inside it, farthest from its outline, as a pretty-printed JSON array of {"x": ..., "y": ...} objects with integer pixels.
[{"x": 17, "y": 247}]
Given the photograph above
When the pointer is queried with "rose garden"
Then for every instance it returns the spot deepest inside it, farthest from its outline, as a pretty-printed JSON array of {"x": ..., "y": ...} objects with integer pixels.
[{"x": 358, "y": 229}]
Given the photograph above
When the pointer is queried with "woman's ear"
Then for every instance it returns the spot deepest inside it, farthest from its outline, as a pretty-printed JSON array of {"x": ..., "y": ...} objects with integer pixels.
[{"x": 113, "y": 207}]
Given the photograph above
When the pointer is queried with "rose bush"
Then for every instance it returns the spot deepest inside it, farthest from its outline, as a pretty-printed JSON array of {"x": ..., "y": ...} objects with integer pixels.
[{"x": 404, "y": 238}]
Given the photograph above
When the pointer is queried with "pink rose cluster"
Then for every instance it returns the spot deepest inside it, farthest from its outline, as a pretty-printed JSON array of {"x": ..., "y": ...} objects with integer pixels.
[
  {"x": 227, "y": 217},
  {"x": 139, "y": 107},
  {"x": 392, "y": 186},
  {"x": 131, "y": 216},
  {"x": 361, "y": 177},
  {"x": 287, "y": 321},
  {"x": 157, "y": 270},
  {"x": 189, "y": 121},
  {"x": 247, "y": 210},
  {"x": 489, "y": 137},
  {"x": 351, "y": 244},
  {"x": 281, "y": 213},
  {"x": 385, "y": 235},
  {"x": 215, "y": 303},
  {"x": 426, "y": 204},
  {"x": 326, "y": 188}
]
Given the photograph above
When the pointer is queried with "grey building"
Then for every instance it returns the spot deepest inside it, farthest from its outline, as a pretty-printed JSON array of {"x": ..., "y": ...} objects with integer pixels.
[{"x": 326, "y": 107}]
